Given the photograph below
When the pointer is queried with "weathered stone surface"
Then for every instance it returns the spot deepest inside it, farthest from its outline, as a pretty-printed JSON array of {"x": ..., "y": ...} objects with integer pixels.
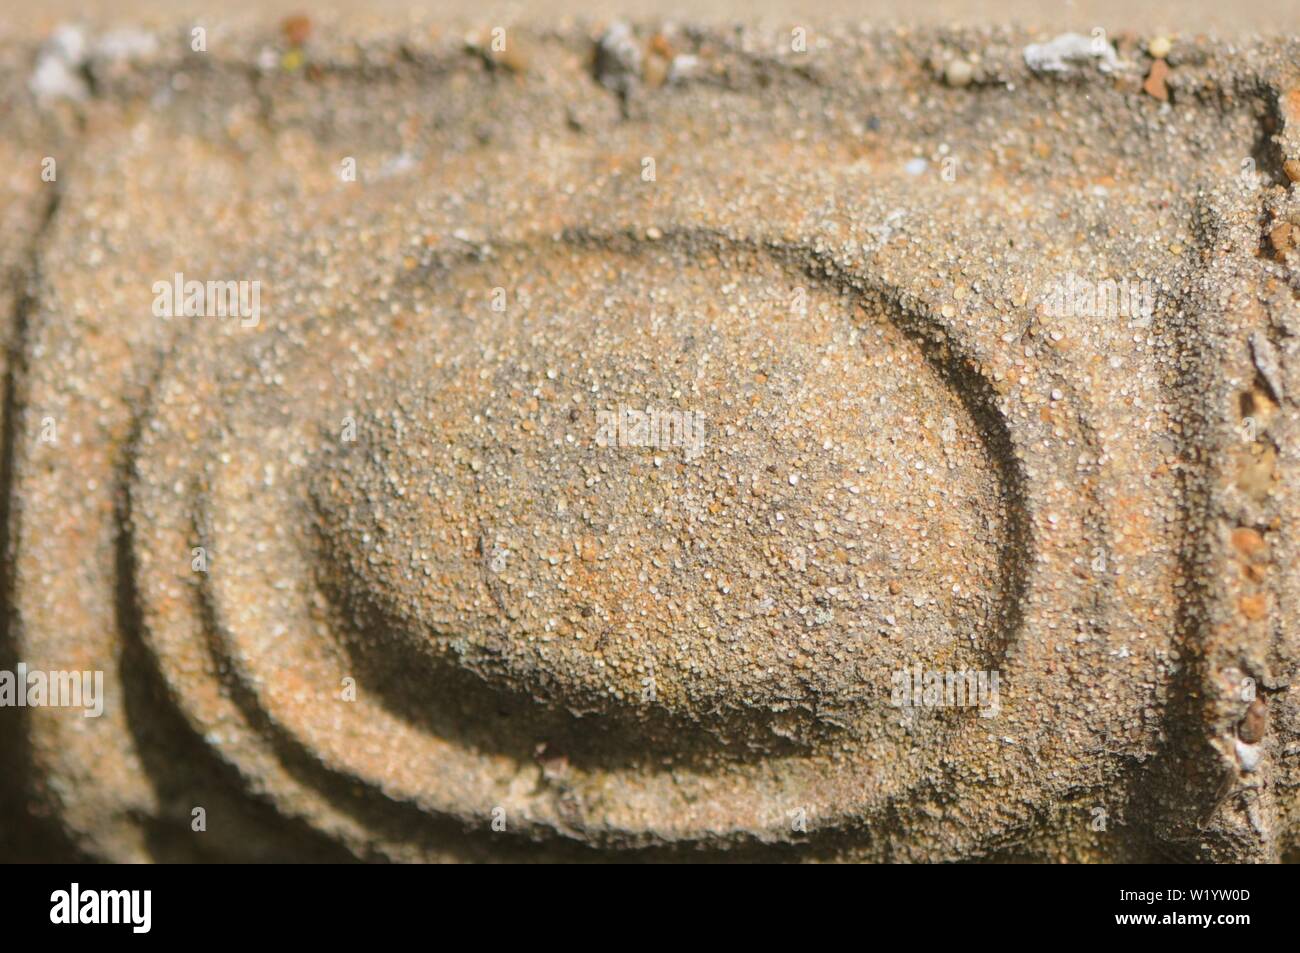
[{"x": 443, "y": 589}]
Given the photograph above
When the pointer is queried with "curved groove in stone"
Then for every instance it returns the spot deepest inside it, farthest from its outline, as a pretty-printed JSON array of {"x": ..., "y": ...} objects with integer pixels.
[{"x": 261, "y": 607}]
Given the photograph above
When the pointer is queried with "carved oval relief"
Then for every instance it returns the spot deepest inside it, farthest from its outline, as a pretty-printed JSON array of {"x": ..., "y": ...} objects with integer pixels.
[{"x": 609, "y": 548}]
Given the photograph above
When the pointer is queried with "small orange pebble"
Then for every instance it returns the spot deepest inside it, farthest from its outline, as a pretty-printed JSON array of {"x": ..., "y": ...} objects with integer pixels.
[
  {"x": 1253, "y": 607},
  {"x": 1155, "y": 81},
  {"x": 1283, "y": 238},
  {"x": 296, "y": 29},
  {"x": 1248, "y": 542},
  {"x": 1255, "y": 723}
]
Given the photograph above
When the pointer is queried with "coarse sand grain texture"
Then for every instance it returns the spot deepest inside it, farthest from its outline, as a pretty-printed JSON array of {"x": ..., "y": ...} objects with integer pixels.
[{"x": 593, "y": 439}]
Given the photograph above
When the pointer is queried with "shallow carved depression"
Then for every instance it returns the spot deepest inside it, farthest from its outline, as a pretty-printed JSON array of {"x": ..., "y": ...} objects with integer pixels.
[{"x": 564, "y": 504}]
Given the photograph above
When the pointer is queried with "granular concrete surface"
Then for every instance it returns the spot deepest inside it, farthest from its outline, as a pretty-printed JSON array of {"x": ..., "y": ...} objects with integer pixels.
[{"x": 569, "y": 437}]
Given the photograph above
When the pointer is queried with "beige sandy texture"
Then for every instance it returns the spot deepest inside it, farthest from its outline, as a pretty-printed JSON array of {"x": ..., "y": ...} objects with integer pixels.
[{"x": 442, "y": 616}]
